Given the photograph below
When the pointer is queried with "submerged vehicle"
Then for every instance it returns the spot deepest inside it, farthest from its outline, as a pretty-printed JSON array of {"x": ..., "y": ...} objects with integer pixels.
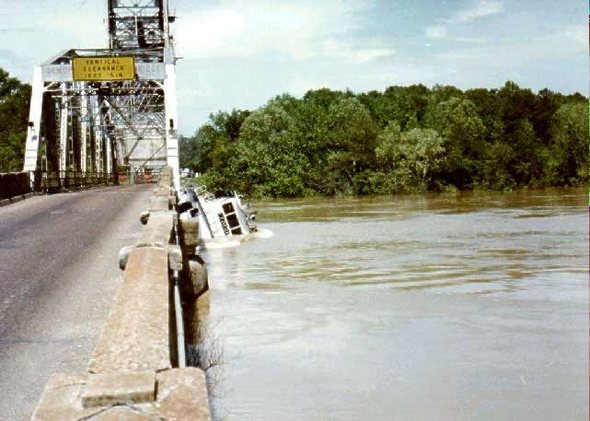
[{"x": 221, "y": 215}]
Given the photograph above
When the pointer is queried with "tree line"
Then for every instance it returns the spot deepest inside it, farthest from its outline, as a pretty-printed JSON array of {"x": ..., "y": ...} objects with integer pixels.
[
  {"x": 404, "y": 140},
  {"x": 14, "y": 114}
]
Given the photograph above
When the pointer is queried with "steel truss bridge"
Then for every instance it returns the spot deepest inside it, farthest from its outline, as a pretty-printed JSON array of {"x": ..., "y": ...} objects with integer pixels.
[{"x": 111, "y": 110}]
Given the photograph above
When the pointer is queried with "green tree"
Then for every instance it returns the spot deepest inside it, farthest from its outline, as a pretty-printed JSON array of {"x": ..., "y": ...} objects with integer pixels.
[
  {"x": 386, "y": 151},
  {"x": 324, "y": 97},
  {"x": 515, "y": 104},
  {"x": 352, "y": 140},
  {"x": 487, "y": 106},
  {"x": 14, "y": 110},
  {"x": 461, "y": 127},
  {"x": 546, "y": 104},
  {"x": 188, "y": 152},
  {"x": 569, "y": 153},
  {"x": 411, "y": 158},
  {"x": 497, "y": 167},
  {"x": 405, "y": 104},
  {"x": 212, "y": 150},
  {"x": 405, "y": 139},
  {"x": 526, "y": 166},
  {"x": 270, "y": 161}
]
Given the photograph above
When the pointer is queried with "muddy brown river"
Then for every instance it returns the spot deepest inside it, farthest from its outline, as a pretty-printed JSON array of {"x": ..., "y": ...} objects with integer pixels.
[{"x": 442, "y": 307}]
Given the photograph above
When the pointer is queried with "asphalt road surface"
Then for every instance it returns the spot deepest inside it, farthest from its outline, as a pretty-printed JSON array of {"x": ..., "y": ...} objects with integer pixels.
[{"x": 58, "y": 276}]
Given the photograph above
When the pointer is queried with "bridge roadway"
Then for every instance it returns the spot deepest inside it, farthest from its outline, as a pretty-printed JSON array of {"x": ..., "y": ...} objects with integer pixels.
[{"x": 58, "y": 276}]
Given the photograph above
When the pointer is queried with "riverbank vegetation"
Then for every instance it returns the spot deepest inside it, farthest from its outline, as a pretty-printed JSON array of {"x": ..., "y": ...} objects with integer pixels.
[{"x": 402, "y": 140}]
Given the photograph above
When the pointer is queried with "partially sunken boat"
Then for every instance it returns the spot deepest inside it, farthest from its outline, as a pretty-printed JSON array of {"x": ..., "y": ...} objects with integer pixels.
[{"x": 222, "y": 215}]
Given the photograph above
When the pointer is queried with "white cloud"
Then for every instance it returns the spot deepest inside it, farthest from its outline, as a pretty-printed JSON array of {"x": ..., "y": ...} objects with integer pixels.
[
  {"x": 484, "y": 8},
  {"x": 209, "y": 33},
  {"x": 566, "y": 43},
  {"x": 370, "y": 54},
  {"x": 79, "y": 31},
  {"x": 236, "y": 30},
  {"x": 239, "y": 53},
  {"x": 295, "y": 30},
  {"x": 406, "y": 74},
  {"x": 574, "y": 36},
  {"x": 353, "y": 54},
  {"x": 57, "y": 27},
  {"x": 436, "y": 32},
  {"x": 453, "y": 55},
  {"x": 471, "y": 40},
  {"x": 467, "y": 15}
]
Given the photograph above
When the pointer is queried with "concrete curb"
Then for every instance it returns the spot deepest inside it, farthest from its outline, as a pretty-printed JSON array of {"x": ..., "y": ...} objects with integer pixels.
[
  {"x": 15, "y": 199},
  {"x": 136, "y": 333},
  {"x": 174, "y": 394}
]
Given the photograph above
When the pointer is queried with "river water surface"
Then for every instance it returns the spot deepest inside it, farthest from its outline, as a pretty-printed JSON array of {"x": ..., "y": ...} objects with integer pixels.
[{"x": 443, "y": 307}]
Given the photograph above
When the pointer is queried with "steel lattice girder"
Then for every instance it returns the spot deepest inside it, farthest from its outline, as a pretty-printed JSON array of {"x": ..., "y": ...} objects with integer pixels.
[
  {"x": 138, "y": 24},
  {"x": 131, "y": 112}
]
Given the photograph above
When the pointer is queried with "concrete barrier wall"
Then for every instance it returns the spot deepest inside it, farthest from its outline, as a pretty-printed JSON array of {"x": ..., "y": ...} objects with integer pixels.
[
  {"x": 132, "y": 373},
  {"x": 137, "y": 331}
]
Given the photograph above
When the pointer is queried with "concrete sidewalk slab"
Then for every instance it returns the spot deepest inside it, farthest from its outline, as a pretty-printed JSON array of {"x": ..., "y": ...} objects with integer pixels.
[
  {"x": 121, "y": 387},
  {"x": 61, "y": 399},
  {"x": 158, "y": 229},
  {"x": 180, "y": 394},
  {"x": 137, "y": 331}
]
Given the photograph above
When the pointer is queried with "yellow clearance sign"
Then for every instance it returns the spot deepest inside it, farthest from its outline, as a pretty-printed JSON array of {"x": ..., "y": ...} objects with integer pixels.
[{"x": 103, "y": 68}]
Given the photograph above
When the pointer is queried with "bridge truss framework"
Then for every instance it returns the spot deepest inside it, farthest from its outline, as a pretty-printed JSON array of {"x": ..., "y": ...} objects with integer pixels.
[{"x": 96, "y": 124}]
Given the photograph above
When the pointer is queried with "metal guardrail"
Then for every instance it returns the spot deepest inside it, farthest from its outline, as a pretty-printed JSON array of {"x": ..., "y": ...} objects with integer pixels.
[
  {"x": 20, "y": 183},
  {"x": 55, "y": 181},
  {"x": 14, "y": 184}
]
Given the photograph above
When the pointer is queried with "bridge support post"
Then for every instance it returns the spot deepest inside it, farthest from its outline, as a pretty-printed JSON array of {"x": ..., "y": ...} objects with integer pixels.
[
  {"x": 63, "y": 132},
  {"x": 34, "y": 128},
  {"x": 84, "y": 126},
  {"x": 171, "y": 116}
]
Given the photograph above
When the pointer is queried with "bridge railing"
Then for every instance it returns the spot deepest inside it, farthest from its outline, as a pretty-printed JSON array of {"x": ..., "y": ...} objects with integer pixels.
[
  {"x": 21, "y": 183},
  {"x": 55, "y": 181},
  {"x": 14, "y": 184}
]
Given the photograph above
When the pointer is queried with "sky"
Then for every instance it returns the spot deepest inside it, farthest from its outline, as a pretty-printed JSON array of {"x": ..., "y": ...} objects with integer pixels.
[{"x": 241, "y": 53}]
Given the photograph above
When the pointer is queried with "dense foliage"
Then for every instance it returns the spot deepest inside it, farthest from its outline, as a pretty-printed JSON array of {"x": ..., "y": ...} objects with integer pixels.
[
  {"x": 406, "y": 139},
  {"x": 14, "y": 111}
]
